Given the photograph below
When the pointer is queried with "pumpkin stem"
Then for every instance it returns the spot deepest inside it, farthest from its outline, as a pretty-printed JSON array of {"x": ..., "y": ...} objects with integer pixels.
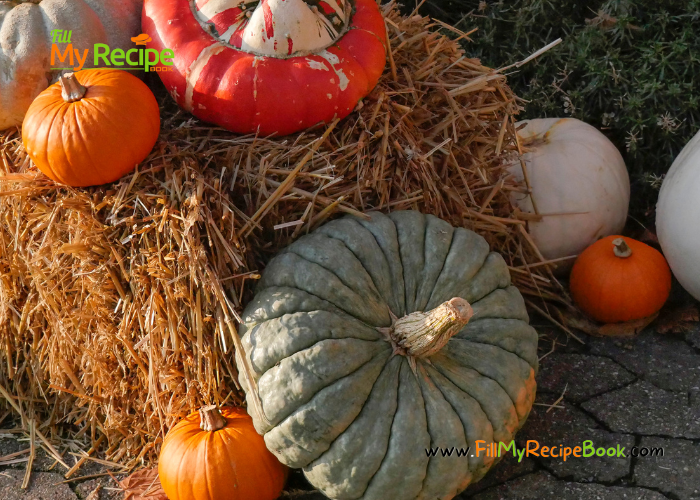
[
  {"x": 71, "y": 90},
  {"x": 422, "y": 334},
  {"x": 621, "y": 249},
  {"x": 533, "y": 142},
  {"x": 211, "y": 419}
]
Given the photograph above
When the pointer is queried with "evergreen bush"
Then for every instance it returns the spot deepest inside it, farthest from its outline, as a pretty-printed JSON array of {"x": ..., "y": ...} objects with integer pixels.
[{"x": 628, "y": 67}]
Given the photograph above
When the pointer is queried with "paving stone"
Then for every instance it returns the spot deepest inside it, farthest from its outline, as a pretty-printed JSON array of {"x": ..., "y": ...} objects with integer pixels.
[
  {"x": 694, "y": 398},
  {"x": 108, "y": 491},
  {"x": 42, "y": 486},
  {"x": 9, "y": 444},
  {"x": 571, "y": 427},
  {"x": 693, "y": 337},
  {"x": 83, "y": 488},
  {"x": 642, "y": 408},
  {"x": 664, "y": 360},
  {"x": 297, "y": 481},
  {"x": 43, "y": 463},
  {"x": 564, "y": 343},
  {"x": 583, "y": 376},
  {"x": 302, "y": 495},
  {"x": 12, "y": 444},
  {"x": 676, "y": 473},
  {"x": 543, "y": 485},
  {"x": 601, "y": 374},
  {"x": 506, "y": 469},
  {"x": 509, "y": 467}
]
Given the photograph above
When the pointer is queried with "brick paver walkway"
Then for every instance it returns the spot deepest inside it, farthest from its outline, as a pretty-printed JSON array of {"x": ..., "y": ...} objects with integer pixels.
[{"x": 642, "y": 392}]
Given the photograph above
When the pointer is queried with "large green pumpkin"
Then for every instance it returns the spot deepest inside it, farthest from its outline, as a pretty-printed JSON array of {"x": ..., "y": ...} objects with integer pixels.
[{"x": 355, "y": 404}]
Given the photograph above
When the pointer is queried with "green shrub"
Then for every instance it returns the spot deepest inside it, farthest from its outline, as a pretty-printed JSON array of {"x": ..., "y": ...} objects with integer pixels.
[{"x": 628, "y": 67}]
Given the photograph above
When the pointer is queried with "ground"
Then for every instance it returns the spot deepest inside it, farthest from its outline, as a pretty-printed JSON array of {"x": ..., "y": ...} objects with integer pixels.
[{"x": 642, "y": 392}]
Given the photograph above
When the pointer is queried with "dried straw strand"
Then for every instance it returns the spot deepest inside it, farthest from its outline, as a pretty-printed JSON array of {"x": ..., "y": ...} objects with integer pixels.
[{"x": 119, "y": 303}]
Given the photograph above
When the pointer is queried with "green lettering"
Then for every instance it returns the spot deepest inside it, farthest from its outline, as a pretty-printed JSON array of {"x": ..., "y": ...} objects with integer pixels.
[
  {"x": 588, "y": 449},
  {"x": 521, "y": 452},
  {"x": 165, "y": 55},
  {"x": 128, "y": 57},
  {"x": 507, "y": 448},
  {"x": 117, "y": 57},
  {"x": 621, "y": 452},
  {"x": 149, "y": 63},
  {"x": 103, "y": 55}
]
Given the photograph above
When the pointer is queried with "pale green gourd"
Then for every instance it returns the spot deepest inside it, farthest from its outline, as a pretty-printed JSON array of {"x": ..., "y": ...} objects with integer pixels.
[{"x": 342, "y": 400}]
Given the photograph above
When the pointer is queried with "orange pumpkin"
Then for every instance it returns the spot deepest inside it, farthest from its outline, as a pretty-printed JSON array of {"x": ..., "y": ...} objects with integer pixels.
[
  {"x": 217, "y": 455},
  {"x": 268, "y": 66},
  {"x": 619, "y": 279},
  {"x": 92, "y": 127}
]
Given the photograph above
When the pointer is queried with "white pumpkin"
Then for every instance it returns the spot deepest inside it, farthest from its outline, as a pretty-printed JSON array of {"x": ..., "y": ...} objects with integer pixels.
[
  {"x": 25, "y": 43},
  {"x": 579, "y": 183},
  {"x": 289, "y": 27},
  {"x": 677, "y": 216}
]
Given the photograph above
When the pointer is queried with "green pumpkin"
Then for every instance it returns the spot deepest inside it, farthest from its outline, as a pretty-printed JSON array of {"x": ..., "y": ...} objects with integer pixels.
[{"x": 355, "y": 404}]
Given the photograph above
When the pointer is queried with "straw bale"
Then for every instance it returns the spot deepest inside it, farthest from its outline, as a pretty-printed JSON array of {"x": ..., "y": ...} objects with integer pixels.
[{"x": 118, "y": 304}]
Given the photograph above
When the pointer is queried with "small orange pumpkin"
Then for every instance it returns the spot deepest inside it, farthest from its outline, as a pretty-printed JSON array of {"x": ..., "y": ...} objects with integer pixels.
[
  {"x": 92, "y": 127},
  {"x": 619, "y": 279},
  {"x": 217, "y": 455}
]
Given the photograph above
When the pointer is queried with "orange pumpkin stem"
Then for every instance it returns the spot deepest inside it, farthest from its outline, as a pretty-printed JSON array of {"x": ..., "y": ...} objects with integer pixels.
[
  {"x": 621, "y": 249},
  {"x": 211, "y": 419},
  {"x": 71, "y": 90}
]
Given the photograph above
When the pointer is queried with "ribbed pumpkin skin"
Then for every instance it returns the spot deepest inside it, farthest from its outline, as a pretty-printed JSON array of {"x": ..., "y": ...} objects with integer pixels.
[
  {"x": 229, "y": 464},
  {"x": 25, "y": 43},
  {"x": 579, "y": 183},
  {"x": 611, "y": 289},
  {"x": 95, "y": 140},
  {"x": 677, "y": 213},
  {"x": 248, "y": 92},
  {"x": 340, "y": 406}
]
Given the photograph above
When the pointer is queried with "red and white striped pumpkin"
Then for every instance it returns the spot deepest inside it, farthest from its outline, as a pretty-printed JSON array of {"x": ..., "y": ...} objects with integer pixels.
[{"x": 270, "y": 66}]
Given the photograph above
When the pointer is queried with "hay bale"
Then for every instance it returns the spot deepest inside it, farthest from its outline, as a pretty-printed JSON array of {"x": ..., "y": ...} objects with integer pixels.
[{"x": 117, "y": 303}]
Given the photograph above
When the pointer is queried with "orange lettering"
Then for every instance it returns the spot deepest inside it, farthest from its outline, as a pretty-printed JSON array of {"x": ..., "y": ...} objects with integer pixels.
[
  {"x": 533, "y": 451},
  {"x": 68, "y": 54}
]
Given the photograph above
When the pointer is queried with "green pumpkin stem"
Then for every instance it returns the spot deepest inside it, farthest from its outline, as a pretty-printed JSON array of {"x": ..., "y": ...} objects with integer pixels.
[
  {"x": 422, "y": 334},
  {"x": 71, "y": 90},
  {"x": 621, "y": 248},
  {"x": 211, "y": 419}
]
